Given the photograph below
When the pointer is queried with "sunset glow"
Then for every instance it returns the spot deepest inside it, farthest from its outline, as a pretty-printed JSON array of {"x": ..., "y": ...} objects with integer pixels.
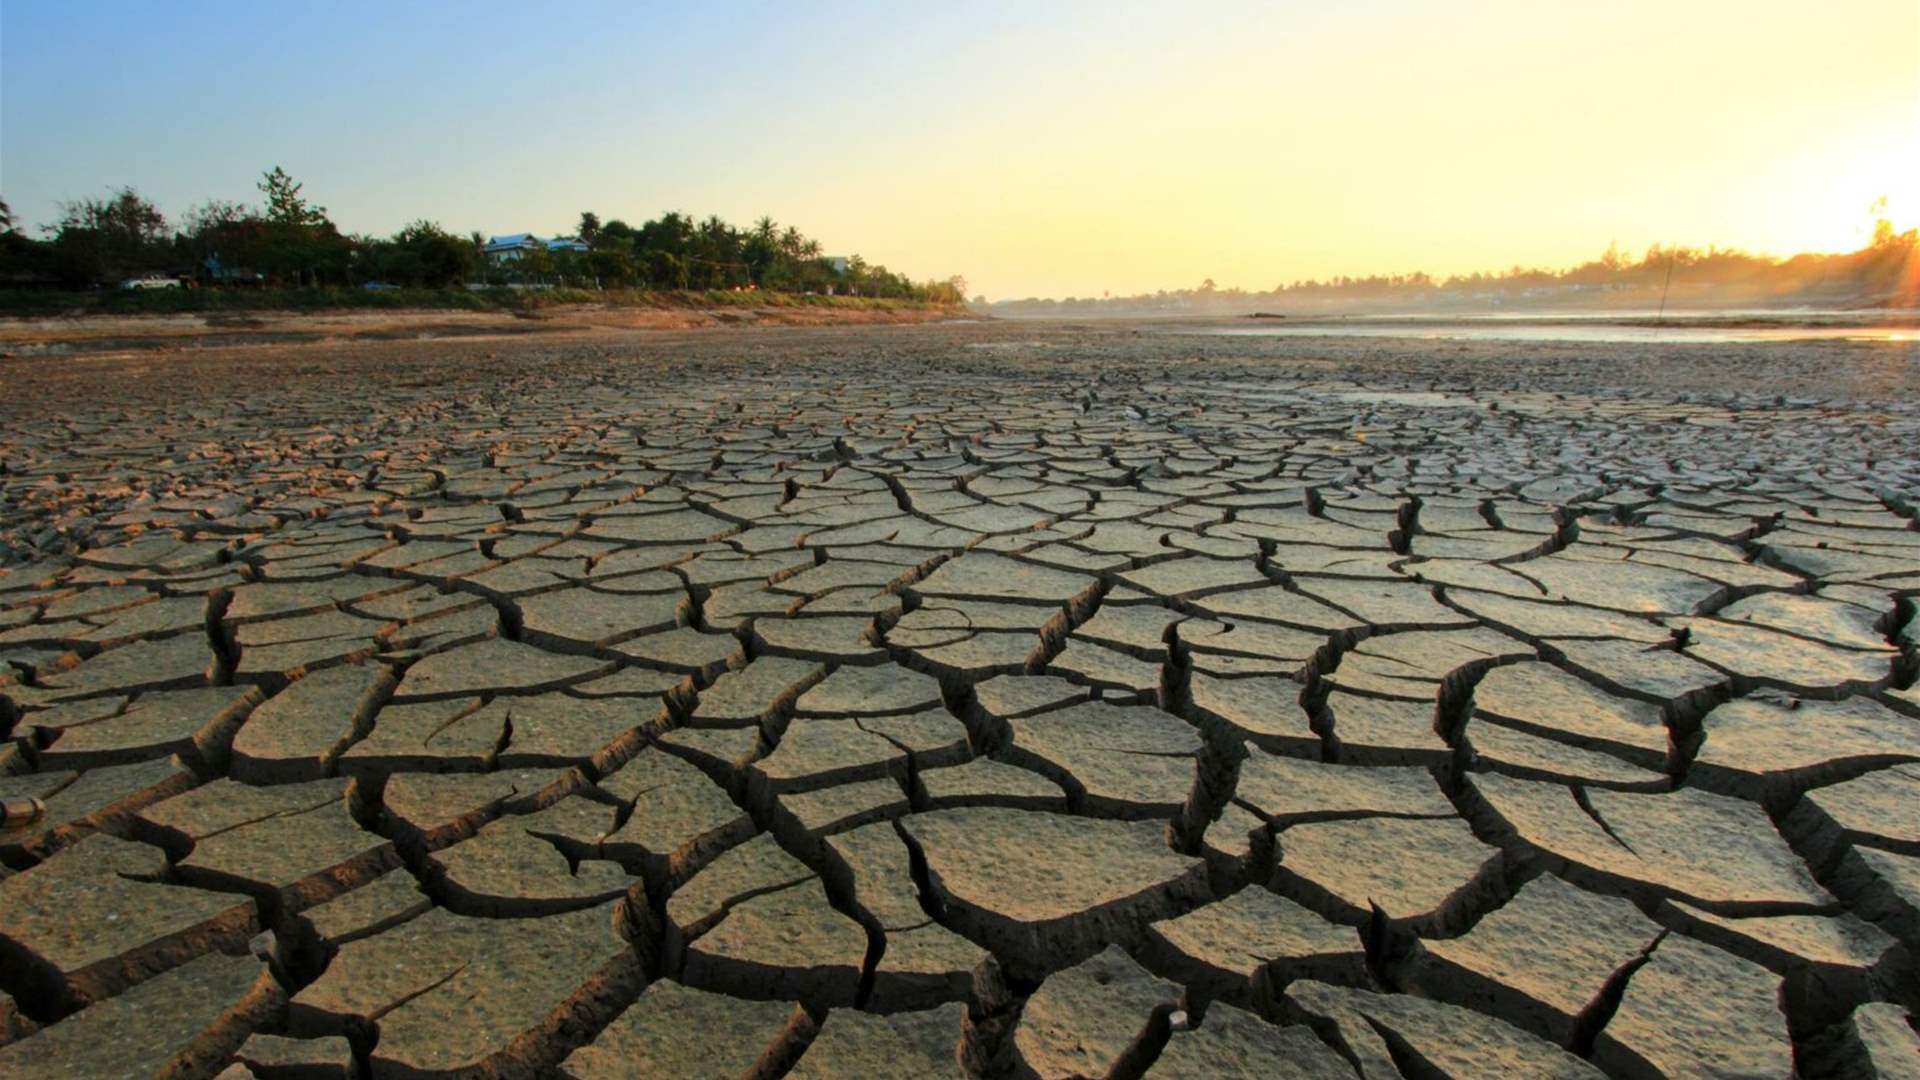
[{"x": 1039, "y": 150}]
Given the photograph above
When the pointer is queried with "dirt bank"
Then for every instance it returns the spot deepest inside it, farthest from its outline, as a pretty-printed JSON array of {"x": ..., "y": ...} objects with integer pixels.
[{"x": 110, "y": 334}]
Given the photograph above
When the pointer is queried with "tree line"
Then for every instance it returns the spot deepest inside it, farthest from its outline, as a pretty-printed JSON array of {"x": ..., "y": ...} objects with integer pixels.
[
  {"x": 1886, "y": 272},
  {"x": 287, "y": 240}
]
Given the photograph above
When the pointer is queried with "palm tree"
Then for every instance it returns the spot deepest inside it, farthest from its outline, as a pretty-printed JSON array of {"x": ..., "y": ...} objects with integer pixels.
[
  {"x": 762, "y": 251},
  {"x": 479, "y": 241}
]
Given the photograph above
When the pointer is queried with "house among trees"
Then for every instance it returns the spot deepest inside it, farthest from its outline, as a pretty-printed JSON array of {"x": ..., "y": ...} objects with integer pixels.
[
  {"x": 214, "y": 271},
  {"x": 513, "y": 247}
]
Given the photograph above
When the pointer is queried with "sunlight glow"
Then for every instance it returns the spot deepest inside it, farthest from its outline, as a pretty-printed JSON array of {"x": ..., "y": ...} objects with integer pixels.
[{"x": 1053, "y": 149}]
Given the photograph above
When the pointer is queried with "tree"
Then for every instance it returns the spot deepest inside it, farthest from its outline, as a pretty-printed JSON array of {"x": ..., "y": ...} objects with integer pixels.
[
  {"x": 535, "y": 264},
  {"x": 221, "y": 238},
  {"x": 589, "y": 227},
  {"x": 611, "y": 266},
  {"x": 718, "y": 263},
  {"x": 1884, "y": 236},
  {"x": 285, "y": 203},
  {"x": 570, "y": 267},
  {"x": 103, "y": 240},
  {"x": 300, "y": 242},
  {"x": 665, "y": 270},
  {"x": 672, "y": 232},
  {"x": 762, "y": 252},
  {"x": 215, "y": 215},
  {"x": 23, "y": 260},
  {"x": 435, "y": 257},
  {"x": 618, "y": 234}
]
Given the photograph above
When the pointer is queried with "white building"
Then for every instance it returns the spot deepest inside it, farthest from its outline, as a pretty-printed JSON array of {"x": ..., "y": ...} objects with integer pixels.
[{"x": 513, "y": 247}]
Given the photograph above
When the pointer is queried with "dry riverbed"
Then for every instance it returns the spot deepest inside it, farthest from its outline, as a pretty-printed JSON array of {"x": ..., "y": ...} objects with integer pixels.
[{"x": 1000, "y": 699}]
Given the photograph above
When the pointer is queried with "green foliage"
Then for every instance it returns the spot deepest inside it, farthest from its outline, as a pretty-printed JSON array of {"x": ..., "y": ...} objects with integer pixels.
[
  {"x": 421, "y": 255},
  {"x": 289, "y": 241},
  {"x": 101, "y": 241},
  {"x": 285, "y": 203},
  {"x": 23, "y": 260},
  {"x": 665, "y": 270},
  {"x": 297, "y": 243},
  {"x": 612, "y": 267},
  {"x": 537, "y": 265},
  {"x": 615, "y": 234}
]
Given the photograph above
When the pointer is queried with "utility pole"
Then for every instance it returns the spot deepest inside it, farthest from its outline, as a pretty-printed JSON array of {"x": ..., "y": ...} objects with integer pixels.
[{"x": 1671, "y": 255}]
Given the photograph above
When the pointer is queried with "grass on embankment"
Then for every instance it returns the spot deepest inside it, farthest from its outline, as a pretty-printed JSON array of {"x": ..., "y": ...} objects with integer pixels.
[{"x": 40, "y": 304}]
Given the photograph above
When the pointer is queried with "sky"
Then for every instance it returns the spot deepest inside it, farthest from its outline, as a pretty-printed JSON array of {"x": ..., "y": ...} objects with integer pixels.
[{"x": 1038, "y": 149}]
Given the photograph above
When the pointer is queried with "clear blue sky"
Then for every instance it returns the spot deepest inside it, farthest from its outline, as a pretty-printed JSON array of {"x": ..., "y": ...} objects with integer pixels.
[
  {"x": 1048, "y": 148},
  {"x": 492, "y": 116}
]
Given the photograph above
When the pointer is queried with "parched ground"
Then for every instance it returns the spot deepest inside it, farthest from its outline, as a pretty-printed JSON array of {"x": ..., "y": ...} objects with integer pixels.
[{"x": 975, "y": 700}]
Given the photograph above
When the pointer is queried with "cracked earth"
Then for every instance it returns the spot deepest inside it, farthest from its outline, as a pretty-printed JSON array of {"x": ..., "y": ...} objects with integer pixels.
[{"x": 962, "y": 702}]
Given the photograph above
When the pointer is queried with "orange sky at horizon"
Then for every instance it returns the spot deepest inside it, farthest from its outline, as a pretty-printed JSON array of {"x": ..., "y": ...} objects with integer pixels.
[
  {"x": 1508, "y": 136},
  {"x": 1069, "y": 148}
]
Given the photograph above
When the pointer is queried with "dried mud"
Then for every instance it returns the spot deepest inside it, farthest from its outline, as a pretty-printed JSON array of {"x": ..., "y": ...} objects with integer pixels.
[{"x": 978, "y": 700}]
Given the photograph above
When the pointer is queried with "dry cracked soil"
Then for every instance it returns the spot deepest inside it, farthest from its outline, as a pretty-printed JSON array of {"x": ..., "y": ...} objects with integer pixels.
[{"x": 1022, "y": 700}]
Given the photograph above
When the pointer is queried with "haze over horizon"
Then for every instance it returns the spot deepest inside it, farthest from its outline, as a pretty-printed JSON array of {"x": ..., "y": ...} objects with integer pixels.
[{"x": 1054, "y": 151}]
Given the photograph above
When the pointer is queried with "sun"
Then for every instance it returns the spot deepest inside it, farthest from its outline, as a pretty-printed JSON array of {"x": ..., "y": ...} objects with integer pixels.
[{"x": 1882, "y": 179}]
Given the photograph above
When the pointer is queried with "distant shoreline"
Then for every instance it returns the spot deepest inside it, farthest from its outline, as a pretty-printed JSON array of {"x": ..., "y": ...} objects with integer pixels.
[
  {"x": 1731, "y": 318},
  {"x": 1691, "y": 304}
]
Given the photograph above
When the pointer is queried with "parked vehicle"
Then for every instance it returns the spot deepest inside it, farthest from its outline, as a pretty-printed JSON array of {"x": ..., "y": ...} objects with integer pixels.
[{"x": 151, "y": 281}]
